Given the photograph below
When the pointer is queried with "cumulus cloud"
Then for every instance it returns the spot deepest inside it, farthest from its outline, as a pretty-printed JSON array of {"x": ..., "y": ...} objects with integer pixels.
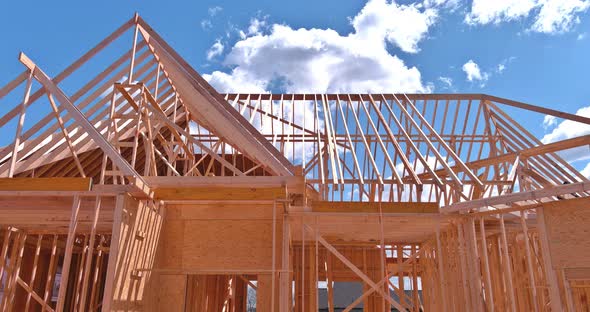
[
  {"x": 549, "y": 121},
  {"x": 474, "y": 73},
  {"x": 256, "y": 26},
  {"x": 559, "y": 15},
  {"x": 496, "y": 11},
  {"x": 215, "y": 50},
  {"x": 322, "y": 60},
  {"x": 568, "y": 129},
  {"x": 549, "y": 16},
  {"x": 402, "y": 25}
]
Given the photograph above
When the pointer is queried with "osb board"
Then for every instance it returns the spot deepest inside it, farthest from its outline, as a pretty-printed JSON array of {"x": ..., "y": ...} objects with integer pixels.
[
  {"x": 235, "y": 245},
  {"x": 168, "y": 293},
  {"x": 218, "y": 237},
  {"x": 171, "y": 244},
  {"x": 220, "y": 211},
  {"x": 568, "y": 231}
]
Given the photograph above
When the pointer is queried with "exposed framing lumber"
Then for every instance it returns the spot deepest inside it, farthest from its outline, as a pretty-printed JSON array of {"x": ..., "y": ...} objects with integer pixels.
[
  {"x": 79, "y": 117},
  {"x": 578, "y": 187},
  {"x": 444, "y": 188}
]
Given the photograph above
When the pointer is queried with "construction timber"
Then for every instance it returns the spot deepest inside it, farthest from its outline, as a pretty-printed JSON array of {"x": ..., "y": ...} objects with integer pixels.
[{"x": 135, "y": 186}]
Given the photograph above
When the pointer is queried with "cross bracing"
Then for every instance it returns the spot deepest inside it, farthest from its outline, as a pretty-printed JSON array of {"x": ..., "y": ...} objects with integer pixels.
[{"x": 125, "y": 176}]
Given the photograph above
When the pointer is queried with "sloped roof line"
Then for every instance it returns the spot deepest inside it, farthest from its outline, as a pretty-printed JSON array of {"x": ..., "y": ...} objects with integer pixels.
[{"x": 203, "y": 101}]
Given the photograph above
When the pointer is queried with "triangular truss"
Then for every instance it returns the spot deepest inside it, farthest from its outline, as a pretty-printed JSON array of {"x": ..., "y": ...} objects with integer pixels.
[
  {"x": 137, "y": 116},
  {"x": 148, "y": 165},
  {"x": 411, "y": 147}
]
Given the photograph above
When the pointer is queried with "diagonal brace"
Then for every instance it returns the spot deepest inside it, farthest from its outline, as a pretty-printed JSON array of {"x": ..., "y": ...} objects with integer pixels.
[
  {"x": 52, "y": 88},
  {"x": 356, "y": 270}
]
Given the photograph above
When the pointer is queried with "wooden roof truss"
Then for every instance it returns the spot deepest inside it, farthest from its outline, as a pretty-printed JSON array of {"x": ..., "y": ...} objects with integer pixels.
[
  {"x": 238, "y": 187},
  {"x": 404, "y": 147},
  {"x": 150, "y": 114},
  {"x": 130, "y": 114}
]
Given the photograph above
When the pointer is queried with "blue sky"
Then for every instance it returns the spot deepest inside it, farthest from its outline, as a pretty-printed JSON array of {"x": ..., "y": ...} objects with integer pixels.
[{"x": 535, "y": 51}]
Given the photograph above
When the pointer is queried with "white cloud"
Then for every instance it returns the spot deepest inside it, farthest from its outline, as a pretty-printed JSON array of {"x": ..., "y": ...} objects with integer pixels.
[
  {"x": 207, "y": 24},
  {"x": 586, "y": 171},
  {"x": 215, "y": 50},
  {"x": 549, "y": 121},
  {"x": 238, "y": 81},
  {"x": 256, "y": 26},
  {"x": 214, "y": 10},
  {"x": 402, "y": 25},
  {"x": 446, "y": 81},
  {"x": 447, "y": 4},
  {"x": 322, "y": 60},
  {"x": 549, "y": 16},
  {"x": 496, "y": 11},
  {"x": 568, "y": 129},
  {"x": 501, "y": 67},
  {"x": 559, "y": 15},
  {"x": 581, "y": 36},
  {"x": 474, "y": 73}
]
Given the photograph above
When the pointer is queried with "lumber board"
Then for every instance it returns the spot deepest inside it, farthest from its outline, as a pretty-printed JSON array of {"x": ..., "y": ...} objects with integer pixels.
[
  {"x": 45, "y": 184},
  {"x": 219, "y": 193},
  {"x": 568, "y": 233},
  {"x": 368, "y": 207},
  {"x": 291, "y": 182}
]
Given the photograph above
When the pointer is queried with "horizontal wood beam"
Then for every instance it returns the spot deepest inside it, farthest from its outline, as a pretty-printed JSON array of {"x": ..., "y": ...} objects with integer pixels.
[
  {"x": 228, "y": 181},
  {"x": 354, "y": 97},
  {"x": 538, "y": 109},
  {"x": 525, "y": 153},
  {"x": 219, "y": 193},
  {"x": 45, "y": 184},
  {"x": 368, "y": 207},
  {"x": 578, "y": 187}
]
